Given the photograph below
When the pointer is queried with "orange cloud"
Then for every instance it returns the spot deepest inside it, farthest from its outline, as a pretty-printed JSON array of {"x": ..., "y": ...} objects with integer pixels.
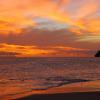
[
  {"x": 20, "y": 14},
  {"x": 88, "y": 8},
  {"x": 68, "y": 48},
  {"x": 7, "y": 27},
  {"x": 66, "y": 51},
  {"x": 24, "y": 50},
  {"x": 30, "y": 51},
  {"x": 91, "y": 26},
  {"x": 84, "y": 20}
]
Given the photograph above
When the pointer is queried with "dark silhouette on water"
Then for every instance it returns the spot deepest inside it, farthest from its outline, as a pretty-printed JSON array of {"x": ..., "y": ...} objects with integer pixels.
[{"x": 97, "y": 54}]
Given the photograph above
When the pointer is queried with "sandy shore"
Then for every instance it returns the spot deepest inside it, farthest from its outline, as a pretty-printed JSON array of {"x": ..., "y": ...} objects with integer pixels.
[{"x": 75, "y": 91}]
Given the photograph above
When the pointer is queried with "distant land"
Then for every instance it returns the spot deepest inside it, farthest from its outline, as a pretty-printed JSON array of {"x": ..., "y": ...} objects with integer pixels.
[{"x": 97, "y": 54}]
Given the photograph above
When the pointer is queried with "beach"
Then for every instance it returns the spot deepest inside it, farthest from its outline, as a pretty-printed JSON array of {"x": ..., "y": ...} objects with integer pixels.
[{"x": 76, "y": 91}]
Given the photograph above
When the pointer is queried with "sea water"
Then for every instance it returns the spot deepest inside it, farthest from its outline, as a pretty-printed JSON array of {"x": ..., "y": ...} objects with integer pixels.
[{"x": 42, "y": 73}]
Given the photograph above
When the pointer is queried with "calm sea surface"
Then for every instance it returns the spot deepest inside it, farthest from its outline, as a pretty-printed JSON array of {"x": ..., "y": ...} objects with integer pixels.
[{"x": 43, "y": 73}]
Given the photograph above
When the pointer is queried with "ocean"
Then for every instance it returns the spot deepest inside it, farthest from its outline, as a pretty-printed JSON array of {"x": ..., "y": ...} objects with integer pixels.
[{"x": 18, "y": 75}]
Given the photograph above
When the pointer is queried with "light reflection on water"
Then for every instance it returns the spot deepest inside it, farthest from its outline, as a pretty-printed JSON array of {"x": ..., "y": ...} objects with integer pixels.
[{"x": 20, "y": 75}]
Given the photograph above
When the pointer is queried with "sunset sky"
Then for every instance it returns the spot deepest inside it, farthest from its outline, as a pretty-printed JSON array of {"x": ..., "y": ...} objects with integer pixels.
[{"x": 49, "y": 27}]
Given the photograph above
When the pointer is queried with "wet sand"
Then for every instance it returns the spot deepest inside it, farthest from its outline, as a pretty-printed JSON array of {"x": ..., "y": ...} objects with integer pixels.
[{"x": 76, "y": 91}]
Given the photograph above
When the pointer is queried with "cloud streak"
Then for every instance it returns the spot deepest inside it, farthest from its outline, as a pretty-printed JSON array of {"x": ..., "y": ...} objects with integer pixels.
[
  {"x": 27, "y": 51},
  {"x": 24, "y": 50}
]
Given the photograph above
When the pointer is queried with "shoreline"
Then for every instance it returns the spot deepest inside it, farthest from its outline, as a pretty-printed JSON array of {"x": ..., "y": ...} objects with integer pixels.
[{"x": 82, "y": 89}]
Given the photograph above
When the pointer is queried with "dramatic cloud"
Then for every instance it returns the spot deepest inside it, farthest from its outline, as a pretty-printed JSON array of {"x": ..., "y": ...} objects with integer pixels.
[
  {"x": 50, "y": 26},
  {"x": 21, "y": 14}
]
